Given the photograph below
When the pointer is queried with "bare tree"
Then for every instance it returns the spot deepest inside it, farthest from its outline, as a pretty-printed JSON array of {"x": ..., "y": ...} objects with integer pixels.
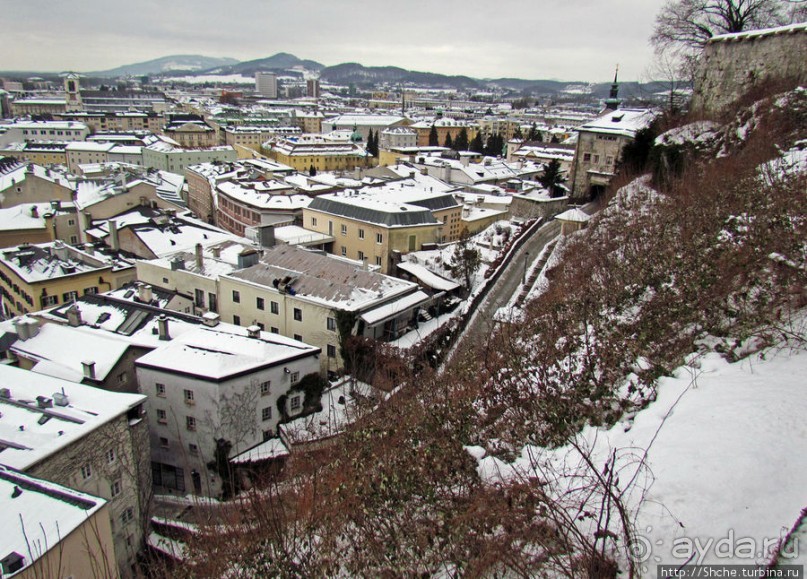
[{"x": 689, "y": 24}]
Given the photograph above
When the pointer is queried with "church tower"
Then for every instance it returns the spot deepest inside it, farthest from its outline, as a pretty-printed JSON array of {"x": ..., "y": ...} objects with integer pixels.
[
  {"x": 72, "y": 93},
  {"x": 613, "y": 101}
]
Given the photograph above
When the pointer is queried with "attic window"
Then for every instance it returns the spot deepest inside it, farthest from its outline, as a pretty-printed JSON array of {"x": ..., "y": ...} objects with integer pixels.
[{"x": 617, "y": 118}]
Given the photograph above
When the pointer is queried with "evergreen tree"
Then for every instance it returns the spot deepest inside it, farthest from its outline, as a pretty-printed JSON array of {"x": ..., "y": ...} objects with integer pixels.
[
  {"x": 434, "y": 140},
  {"x": 534, "y": 134},
  {"x": 552, "y": 178},
  {"x": 477, "y": 146},
  {"x": 449, "y": 142},
  {"x": 312, "y": 171},
  {"x": 465, "y": 260},
  {"x": 494, "y": 146},
  {"x": 517, "y": 134},
  {"x": 461, "y": 143},
  {"x": 372, "y": 143}
]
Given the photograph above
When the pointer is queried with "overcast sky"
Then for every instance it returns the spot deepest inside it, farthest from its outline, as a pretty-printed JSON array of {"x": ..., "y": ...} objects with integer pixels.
[{"x": 531, "y": 39}]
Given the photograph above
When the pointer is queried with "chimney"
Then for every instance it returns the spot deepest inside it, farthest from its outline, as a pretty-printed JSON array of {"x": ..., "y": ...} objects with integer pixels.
[
  {"x": 464, "y": 159},
  {"x": 5, "y": 393},
  {"x": 44, "y": 402},
  {"x": 56, "y": 205},
  {"x": 20, "y": 328},
  {"x": 365, "y": 264},
  {"x": 210, "y": 319},
  {"x": 254, "y": 331},
  {"x": 162, "y": 325},
  {"x": 447, "y": 173},
  {"x": 60, "y": 398},
  {"x": 200, "y": 260},
  {"x": 114, "y": 244},
  {"x": 89, "y": 369},
  {"x": 216, "y": 250},
  {"x": 144, "y": 293},
  {"x": 74, "y": 316},
  {"x": 34, "y": 211}
]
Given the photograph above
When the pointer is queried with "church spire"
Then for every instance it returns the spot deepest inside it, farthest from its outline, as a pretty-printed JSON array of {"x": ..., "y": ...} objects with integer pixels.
[{"x": 612, "y": 102}]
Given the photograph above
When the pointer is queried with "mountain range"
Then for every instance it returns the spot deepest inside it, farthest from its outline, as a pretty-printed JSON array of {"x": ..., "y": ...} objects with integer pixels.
[{"x": 359, "y": 75}]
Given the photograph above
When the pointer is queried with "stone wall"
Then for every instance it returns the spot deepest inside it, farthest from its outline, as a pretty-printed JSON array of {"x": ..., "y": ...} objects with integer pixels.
[{"x": 732, "y": 64}]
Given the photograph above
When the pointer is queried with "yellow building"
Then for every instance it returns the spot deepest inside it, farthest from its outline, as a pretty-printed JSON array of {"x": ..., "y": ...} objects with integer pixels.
[
  {"x": 34, "y": 277},
  {"x": 444, "y": 127},
  {"x": 377, "y": 226},
  {"x": 48, "y": 153},
  {"x": 53, "y": 531},
  {"x": 308, "y": 151}
]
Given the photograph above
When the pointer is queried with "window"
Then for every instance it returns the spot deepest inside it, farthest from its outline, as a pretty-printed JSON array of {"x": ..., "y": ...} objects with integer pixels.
[
  {"x": 163, "y": 442},
  {"x": 266, "y": 413},
  {"x": 378, "y": 260},
  {"x": 190, "y": 423},
  {"x": 331, "y": 324},
  {"x": 237, "y": 320},
  {"x": 115, "y": 488},
  {"x": 298, "y": 314},
  {"x": 162, "y": 417},
  {"x": 344, "y": 251},
  {"x": 89, "y": 291},
  {"x": 193, "y": 449},
  {"x": 361, "y": 233},
  {"x": 298, "y": 337},
  {"x": 259, "y": 303},
  {"x": 295, "y": 377},
  {"x": 69, "y": 296},
  {"x": 50, "y": 300},
  {"x": 260, "y": 326},
  {"x": 361, "y": 255},
  {"x": 236, "y": 297},
  {"x": 295, "y": 403},
  {"x": 344, "y": 229},
  {"x": 265, "y": 386},
  {"x": 86, "y": 471},
  {"x": 274, "y": 307},
  {"x": 160, "y": 390},
  {"x": 110, "y": 456},
  {"x": 274, "y": 330},
  {"x": 586, "y": 157},
  {"x": 313, "y": 222},
  {"x": 331, "y": 351},
  {"x": 379, "y": 238},
  {"x": 188, "y": 395},
  {"x": 213, "y": 302},
  {"x": 127, "y": 516}
]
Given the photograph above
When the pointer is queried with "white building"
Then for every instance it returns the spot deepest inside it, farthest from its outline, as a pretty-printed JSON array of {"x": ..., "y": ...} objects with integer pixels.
[{"x": 218, "y": 389}]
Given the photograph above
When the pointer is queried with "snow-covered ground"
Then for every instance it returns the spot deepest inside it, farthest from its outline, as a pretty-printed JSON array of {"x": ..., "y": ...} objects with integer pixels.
[{"x": 726, "y": 471}]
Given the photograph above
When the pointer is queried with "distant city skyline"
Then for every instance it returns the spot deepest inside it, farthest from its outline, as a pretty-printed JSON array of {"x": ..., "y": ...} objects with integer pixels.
[{"x": 569, "y": 40}]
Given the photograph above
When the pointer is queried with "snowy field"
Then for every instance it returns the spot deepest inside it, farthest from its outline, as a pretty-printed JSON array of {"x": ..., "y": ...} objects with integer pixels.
[{"x": 726, "y": 471}]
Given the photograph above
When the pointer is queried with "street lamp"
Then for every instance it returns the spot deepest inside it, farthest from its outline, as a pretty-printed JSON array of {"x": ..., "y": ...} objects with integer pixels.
[{"x": 526, "y": 260}]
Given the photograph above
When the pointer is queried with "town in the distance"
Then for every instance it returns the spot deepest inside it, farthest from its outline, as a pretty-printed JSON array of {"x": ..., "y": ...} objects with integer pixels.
[{"x": 213, "y": 273}]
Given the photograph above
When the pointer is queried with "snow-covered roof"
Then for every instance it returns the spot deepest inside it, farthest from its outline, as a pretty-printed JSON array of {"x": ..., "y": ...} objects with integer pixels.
[
  {"x": 324, "y": 279},
  {"x": 370, "y": 208},
  {"x": 574, "y": 215},
  {"x": 48, "y": 261},
  {"x": 38, "y": 515},
  {"x": 29, "y": 434},
  {"x": 339, "y": 409},
  {"x": 296, "y": 235},
  {"x": 428, "y": 277},
  {"x": 621, "y": 122},
  {"x": 30, "y": 215},
  {"x": 60, "y": 351},
  {"x": 394, "y": 308},
  {"x": 218, "y": 354},
  {"x": 269, "y": 194}
]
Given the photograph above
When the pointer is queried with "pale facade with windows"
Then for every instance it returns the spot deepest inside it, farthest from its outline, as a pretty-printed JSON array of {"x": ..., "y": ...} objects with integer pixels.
[
  {"x": 85, "y": 438},
  {"x": 599, "y": 149},
  {"x": 34, "y": 277},
  {"x": 373, "y": 227},
  {"x": 216, "y": 383},
  {"x": 294, "y": 292}
]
